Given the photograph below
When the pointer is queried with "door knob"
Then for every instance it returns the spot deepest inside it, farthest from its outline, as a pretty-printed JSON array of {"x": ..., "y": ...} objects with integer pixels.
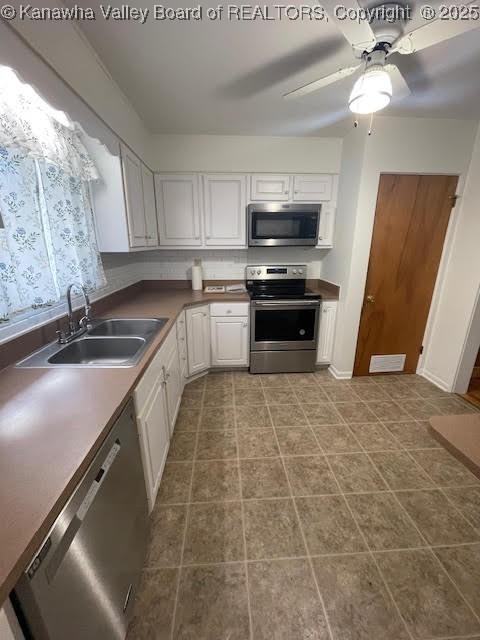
[{"x": 370, "y": 298}]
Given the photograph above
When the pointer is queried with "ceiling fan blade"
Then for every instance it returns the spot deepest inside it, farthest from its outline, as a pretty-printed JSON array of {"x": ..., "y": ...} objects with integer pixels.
[
  {"x": 322, "y": 82},
  {"x": 432, "y": 33},
  {"x": 358, "y": 32},
  {"x": 400, "y": 87}
]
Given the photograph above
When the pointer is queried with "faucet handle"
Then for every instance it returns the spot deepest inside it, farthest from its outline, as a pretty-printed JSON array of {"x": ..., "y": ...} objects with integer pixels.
[{"x": 60, "y": 336}]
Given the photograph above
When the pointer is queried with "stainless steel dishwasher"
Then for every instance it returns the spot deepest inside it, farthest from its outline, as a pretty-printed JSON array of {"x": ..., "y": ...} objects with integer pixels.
[{"x": 82, "y": 581}]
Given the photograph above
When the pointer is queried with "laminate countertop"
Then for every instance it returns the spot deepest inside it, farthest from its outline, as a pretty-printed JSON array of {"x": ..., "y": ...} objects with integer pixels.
[{"x": 53, "y": 421}]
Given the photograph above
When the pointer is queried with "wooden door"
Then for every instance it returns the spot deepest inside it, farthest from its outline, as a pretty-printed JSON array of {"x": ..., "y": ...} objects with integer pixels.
[
  {"x": 178, "y": 210},
  {"x": 225, "y": 209},
  {"x": 411, "y": 220}
]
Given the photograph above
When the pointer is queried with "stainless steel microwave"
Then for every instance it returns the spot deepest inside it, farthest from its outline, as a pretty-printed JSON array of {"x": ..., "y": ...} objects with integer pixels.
[{"x": 280, "y": 225}]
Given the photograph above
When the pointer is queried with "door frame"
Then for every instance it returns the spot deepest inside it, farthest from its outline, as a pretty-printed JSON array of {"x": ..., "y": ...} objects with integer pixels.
[{"x": 441, "y": 272}]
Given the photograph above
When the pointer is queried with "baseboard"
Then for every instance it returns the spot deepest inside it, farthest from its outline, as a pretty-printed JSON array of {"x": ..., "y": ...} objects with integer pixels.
[
  {"x": 340, "y": 375},
  {"x": 438, "y": 382}
]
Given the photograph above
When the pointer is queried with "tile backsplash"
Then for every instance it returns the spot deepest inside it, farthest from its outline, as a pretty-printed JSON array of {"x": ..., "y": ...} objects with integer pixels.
[{"x": 225, "y": 264}]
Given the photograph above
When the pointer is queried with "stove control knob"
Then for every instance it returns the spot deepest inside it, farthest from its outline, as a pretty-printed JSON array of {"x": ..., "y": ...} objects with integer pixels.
[
  {"x": 294, "y": 271},
  {"x": 300, "y": 271},
  {"x": 252, "y": 272},
  {"x": 259, "y": 272}
]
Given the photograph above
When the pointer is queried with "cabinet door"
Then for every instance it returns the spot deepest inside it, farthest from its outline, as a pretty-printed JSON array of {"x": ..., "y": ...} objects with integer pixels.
[
  {"x": 229, "y": 338},
  {"x": 149, "y": 207},
  {"x": 132, "y": 182},
  {"x": 312, "y": 188},
  {"x": 178, "y": 210},
  {"x": 270, "y": 187},
  {"x": 327, "y": 225},
  {"x": 198, "y": 339},
  {"x": 326, "y": 332},
  {"x": 224, "y": 198},
  {"x": 154, "y": 439},
  {"x": 173, "y": 387}
]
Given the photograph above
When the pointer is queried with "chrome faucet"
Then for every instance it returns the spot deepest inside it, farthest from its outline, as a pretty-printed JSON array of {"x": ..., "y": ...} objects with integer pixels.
[{"x": 75, "y": 330}]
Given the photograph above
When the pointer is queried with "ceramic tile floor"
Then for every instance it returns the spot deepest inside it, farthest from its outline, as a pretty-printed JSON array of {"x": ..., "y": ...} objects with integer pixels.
[{"x": 302, "y": 507}]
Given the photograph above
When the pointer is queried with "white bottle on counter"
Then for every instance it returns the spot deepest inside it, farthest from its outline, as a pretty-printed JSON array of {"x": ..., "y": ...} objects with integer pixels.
[{"x": 197, "y": 275}]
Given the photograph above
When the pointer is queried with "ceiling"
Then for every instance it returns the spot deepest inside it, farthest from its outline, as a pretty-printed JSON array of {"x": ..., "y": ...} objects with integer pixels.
[{"x": 228, "y": 77}]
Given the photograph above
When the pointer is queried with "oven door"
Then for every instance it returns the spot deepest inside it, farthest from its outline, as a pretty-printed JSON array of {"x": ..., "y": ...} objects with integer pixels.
[
  {"x": 283, "y": 325},
  {"x": 276, "y": 225}
]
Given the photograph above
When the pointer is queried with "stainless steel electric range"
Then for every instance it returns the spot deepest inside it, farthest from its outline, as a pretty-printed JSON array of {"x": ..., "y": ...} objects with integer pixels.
[{"x": 283, "y": 319}]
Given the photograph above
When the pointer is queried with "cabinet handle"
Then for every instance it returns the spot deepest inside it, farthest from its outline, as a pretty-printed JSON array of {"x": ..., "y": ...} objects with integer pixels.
[
  {"x": 207, "y": 237},
  {"x": 286, "y": 192},
  {"x": 139, "y": 237},
  {"x": 245, "y": 325},
  {"x": 320, "y": 237},
  {"x": 296, "y": 191},
  {"x": 167, "y": 376},
  {"x": 197, "y": 237},
  {"x": 229, "y": 311}
]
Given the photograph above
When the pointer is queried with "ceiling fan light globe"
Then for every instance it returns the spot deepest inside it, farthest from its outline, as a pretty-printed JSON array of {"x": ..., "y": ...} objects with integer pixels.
[{"x": 371, "y": 92}]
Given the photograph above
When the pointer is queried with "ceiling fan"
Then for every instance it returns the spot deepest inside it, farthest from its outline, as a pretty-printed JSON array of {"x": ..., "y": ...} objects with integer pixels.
[{"x": 373, "y": 42}]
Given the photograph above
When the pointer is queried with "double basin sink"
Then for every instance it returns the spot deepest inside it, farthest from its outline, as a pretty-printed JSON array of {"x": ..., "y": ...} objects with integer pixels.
[{"x": 117, "y": 342}]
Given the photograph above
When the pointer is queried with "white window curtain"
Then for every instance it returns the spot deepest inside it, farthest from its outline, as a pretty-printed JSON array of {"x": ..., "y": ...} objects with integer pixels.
[{"x": 48, "y": 236}]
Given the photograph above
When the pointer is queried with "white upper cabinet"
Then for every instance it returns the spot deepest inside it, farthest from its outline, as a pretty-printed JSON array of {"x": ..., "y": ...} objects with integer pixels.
[
  {"x": 150, "y": 208},
  {"x": 178, "y": 210},
  {"x": 326, "y": 226},
  {"x": 123, "y": 200},
  {"x": 132, "y": 180},
  {"x": 270, "y": 187},
  {"x": 224, "y": 206},
  {"x": 312, "y": 188}
]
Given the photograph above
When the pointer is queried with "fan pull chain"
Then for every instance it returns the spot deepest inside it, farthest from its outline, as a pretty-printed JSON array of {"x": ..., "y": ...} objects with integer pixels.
[{"x": 370, "y": 128}]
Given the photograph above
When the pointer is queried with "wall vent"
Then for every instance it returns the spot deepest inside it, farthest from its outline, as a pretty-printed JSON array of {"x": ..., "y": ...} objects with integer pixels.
[{"x": 387, "y": 364}]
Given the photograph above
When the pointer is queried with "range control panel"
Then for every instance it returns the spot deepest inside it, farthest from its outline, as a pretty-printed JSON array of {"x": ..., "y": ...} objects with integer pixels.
[{"x": 276, "y": 272}]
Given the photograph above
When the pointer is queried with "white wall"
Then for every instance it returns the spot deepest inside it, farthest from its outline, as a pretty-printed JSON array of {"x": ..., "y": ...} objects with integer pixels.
[
  {"x": 397, "y": 145},
  {"x": 455, "y": 330},
  {"x": 245, "y": 154},
  {"x": 65, "y": 48}
]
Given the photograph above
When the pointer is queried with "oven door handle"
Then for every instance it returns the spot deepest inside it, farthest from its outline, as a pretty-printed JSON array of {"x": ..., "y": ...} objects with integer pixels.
[{"x": 287, "y": 303}]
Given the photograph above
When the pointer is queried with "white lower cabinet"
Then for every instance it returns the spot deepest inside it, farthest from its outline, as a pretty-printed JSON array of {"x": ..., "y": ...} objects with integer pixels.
[
  {"x": 157, "y": 398},
  {"x": 182, "y": 347},
  {"x": 154, "y": 434},
  {"x": 198, "y": 339},
  {"x": 229, "y": 334},
  {"x": 326, "y": 331},
  {"x": 173, "y": 386}
]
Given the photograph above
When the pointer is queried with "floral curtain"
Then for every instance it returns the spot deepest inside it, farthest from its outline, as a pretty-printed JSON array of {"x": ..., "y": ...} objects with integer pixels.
[{"x": 48, "y": 239}]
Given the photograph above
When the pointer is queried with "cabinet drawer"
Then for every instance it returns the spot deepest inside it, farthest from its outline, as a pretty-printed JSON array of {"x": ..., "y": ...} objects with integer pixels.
[{"x": 237, "y": 309}]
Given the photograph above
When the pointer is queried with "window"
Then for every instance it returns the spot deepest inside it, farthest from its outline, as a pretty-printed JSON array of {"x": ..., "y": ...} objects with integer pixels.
[{"x": 47, "y": 233}]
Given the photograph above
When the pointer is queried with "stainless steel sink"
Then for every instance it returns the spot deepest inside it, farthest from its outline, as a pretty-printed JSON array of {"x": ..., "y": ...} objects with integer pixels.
[
  {"x": 116, "y": 342},
  {"x": 127, "y": 326},
  {"x": 99, "y": 351}
]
